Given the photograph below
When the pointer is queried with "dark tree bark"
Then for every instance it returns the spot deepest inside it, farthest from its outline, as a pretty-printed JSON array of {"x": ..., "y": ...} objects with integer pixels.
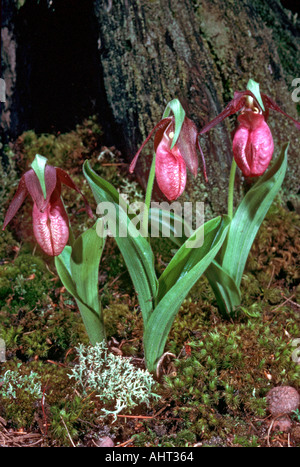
[
  {"x": 151, "y": 51},
  {"x": 51, "y": 63},
  {"x": 199, "y": 52},
  {"x": 9, "y": 113}
]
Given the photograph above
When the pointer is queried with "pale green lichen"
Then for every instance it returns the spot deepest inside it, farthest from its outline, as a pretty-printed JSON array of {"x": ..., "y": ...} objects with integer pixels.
[
  {"x": 13, "y": 381},
  {"x": 113, "y": 378}
]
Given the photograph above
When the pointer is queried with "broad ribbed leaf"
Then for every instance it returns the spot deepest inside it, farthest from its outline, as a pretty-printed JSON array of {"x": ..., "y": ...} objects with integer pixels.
[
  {"x": 135, "y": 249},
  {"x": 63, "y": 268},
  {"x": 249, "y": 216},
  {"x": 187, "y": 257},
  {"x": 168, "y": 221},
  {"x": 78, "y": 268},
  {"x": 225, "y": 289},
  {"x": 227, "y": 293},
  {"x": 108, "y": 191},
  {"x": 84, "y": 263},
  {"x": 161, "y": 320}
]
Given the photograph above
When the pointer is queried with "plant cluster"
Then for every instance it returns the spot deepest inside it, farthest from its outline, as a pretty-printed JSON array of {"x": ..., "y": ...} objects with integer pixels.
[
  {"x": 218, "y": 248},
  {"x": 66, "y": 149}
]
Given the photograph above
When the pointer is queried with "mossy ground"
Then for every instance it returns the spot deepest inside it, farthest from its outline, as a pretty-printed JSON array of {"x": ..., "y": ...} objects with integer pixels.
[{"x": 212, "y": 391}]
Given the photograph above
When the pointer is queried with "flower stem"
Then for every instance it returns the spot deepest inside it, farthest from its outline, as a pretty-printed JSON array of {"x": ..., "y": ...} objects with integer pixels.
[
  {"x": 231, "y": 188},
  {"x": 148, "y": 197}
]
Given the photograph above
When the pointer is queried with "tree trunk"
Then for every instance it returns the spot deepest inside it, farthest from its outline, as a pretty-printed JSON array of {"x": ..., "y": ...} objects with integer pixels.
[
  {"x": 9, "y": 114},
  {"x": 199, "y": 52},
  {"x": 151, "y": 51}
]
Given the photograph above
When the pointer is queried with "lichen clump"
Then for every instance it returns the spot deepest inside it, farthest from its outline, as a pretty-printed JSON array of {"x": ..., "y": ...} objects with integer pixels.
[
  {"x": 13, "y": 382},
  {"x": 21, "y": 390},
  {"x": 113, "y": 379}
]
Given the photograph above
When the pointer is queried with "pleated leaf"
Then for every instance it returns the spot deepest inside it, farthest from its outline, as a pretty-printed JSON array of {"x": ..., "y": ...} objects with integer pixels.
[
  {"x": 249, "y": 217},
  {"x": 169, "y": 222},
  {"x": 227, "y": 293},
  {"x": 78, "y": 268},
  {"x": 187, "y": 257},
  {"x": 161, "y": 320},
  {"x": 135, "y": 249}
]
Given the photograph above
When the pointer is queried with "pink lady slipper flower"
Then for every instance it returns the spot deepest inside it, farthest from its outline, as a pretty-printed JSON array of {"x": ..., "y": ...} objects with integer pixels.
[
  {"x": 171, "y": 162},
  {"x": 252, "y": 142},
  {"x": 50, "y": 220}
]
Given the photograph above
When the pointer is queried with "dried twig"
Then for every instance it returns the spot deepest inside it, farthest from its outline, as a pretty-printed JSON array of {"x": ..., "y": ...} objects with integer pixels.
[
  {"x": 125, "y": 443},
  {"x": 135, "y": 416},
  {"x": 271, "y": 278},
  {"x": 72, "y": 442},
  {"x": 269, "y": 431},
  {"x": 283, "y": 303},
  {"x": 290, "y": 301}
]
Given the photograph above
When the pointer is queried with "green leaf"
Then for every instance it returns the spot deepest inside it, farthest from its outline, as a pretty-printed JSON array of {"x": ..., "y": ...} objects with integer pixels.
[
  {"x": 249, "y": 216},
  {"x": 179, "y": 115},
  {"x": 135, "y": 249},
  {"x": 110, "y": 194},
  {"x": 63, "y": 267},
  {"x": 161, "y": 320},
  {"x": 253, "y": 86},
  {"x": 225, "y": 289},
  {"x": 78, "y": 268},
  {"x": 170, "y": 223},
  {"x": 38, "y": 165},
  {"x": 227, "y": 293},
  {"x": 187, "y": 257},
  {"x": 84, "y": 263}
]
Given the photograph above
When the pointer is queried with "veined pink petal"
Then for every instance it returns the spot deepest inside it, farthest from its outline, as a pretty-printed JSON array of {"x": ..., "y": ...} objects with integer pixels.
[
  {"x": 252, "y": 144},
  {"x": 170, "y": 169},
  {"x": 51, "y": 227}
]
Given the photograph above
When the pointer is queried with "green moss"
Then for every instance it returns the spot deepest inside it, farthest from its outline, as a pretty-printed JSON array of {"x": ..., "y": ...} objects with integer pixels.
[
  {"x": 229, "y": 369},
  {"x": 65, "y": 420},
  {"x": 54, "y": 410},
  {"x": 245, "y": 441},
  {"x": 21, "y": 393},
  {"x": 275, "y": 252},
  {"x": 30, "y": 322},
  {"x": 158, "y": 437},
  {"x": 224, "y": 369},
  {"x": 125, "y": 322},
  {"x": 67, "y": 150}
]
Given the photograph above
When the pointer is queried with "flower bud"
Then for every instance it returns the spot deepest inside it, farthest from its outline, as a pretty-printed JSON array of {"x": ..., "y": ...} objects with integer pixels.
[
  {"x": 252, "y": 144},
  {"x": 170, "y": 168},
  {"x": 51, "y": 227}
]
